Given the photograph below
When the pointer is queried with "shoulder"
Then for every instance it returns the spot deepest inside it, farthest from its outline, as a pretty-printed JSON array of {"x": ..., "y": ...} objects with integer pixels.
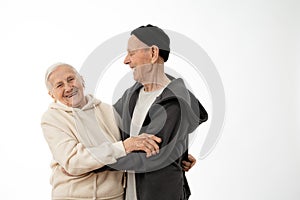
[
  {"x": 126, "y": 96},
  {"x": 55, "y": 117},
  {"x": 49, "y": 114},
  {"x": 105, "y": 107},
  {"x": 134, "y": 88}
]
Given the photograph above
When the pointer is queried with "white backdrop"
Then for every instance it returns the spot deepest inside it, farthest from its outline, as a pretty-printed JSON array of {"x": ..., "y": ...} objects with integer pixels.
[{"x": 254, "y": 45}]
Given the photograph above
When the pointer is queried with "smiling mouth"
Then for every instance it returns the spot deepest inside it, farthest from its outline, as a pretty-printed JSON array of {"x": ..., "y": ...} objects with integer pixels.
[{"x": 71, "y": 94}]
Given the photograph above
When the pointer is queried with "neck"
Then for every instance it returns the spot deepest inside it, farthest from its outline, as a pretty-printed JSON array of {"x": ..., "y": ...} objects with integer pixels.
[{"x": 152, "y": 76}]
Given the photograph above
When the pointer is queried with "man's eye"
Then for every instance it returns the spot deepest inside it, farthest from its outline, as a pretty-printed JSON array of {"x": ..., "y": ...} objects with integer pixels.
[
  {"x": 70, "y": 79},
  {"x": 131, "y": 53}
]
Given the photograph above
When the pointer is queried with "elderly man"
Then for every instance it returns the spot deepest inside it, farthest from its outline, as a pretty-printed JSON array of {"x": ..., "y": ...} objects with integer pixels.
[{"x": 156, "y": 103}]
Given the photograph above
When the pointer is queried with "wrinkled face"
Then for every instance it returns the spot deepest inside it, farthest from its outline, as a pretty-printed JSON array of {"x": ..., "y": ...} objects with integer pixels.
[
  {"x": 138, "y": 56},
  {"x": 67, "y": 87}
]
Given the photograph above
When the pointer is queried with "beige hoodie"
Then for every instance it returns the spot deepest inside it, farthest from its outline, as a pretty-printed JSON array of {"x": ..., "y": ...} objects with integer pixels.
[{"x": 82, "y": 140}]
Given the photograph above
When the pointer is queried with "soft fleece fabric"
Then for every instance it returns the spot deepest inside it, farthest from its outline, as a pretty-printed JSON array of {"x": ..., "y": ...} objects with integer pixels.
[
  {"x": 81, "y": 141},
  {"x": 173, "y": 115}
]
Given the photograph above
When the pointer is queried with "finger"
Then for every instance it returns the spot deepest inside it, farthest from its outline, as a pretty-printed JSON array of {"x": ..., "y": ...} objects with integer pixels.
[
  {"x": 155, "y": 138},
  {"x": 186, "y": 164},
  {"x": 144, "y": 135},
  {"x": 193, "y": 163},
  {"x": 186, "y": 169},
  {"x": 192, "y": 160},
  {"x": 153, "y": 145},
  {"x": 147, "y": 147},
  {"x": 148, "y": 155}
]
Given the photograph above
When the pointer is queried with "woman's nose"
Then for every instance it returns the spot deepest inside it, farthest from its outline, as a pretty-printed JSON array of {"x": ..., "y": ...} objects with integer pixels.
[{"x": 68, "y": 86}]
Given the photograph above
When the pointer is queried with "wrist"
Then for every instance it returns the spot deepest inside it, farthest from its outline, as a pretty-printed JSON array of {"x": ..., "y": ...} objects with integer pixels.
[{"x": 127, "y": 145}]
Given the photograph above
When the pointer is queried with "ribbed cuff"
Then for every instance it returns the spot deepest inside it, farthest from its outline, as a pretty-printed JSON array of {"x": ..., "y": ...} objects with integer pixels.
[{"x": 119, "y": 149}]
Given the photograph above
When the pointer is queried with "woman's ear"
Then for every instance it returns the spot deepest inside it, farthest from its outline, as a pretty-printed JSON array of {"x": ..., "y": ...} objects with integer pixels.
[
  {"x": 154, "y": 54},
  {"x": 83, "y": 82},
  {"x": 51, "y": 94}
]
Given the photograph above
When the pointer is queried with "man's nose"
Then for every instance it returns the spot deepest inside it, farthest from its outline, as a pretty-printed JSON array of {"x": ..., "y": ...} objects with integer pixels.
[{"x": 127, "y": 60}]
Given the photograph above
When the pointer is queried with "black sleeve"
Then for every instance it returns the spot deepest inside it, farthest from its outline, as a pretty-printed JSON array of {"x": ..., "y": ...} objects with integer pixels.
[
  {"x": 166, "y": 123},
  {"x": 118, "y": 106}
]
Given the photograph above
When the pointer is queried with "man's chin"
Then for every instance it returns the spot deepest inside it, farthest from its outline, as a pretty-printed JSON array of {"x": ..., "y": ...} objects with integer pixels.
[{"x": 136, "y": 78}]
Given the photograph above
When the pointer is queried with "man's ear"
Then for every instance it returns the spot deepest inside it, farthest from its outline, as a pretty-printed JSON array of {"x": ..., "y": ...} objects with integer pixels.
[{"x": 154, "y": 53}]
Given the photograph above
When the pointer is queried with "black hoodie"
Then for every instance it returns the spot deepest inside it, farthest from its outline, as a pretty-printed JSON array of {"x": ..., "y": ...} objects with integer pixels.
[{"x": 173, "y": 115}]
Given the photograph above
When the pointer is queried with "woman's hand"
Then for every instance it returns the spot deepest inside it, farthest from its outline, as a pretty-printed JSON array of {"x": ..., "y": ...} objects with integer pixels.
[
  {"x": 187, "y": 165},
  {"x": 143, "y": 142}
]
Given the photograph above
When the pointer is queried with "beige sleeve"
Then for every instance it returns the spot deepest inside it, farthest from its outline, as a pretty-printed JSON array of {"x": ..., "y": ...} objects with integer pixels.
[{"x": 73, "y": 156}]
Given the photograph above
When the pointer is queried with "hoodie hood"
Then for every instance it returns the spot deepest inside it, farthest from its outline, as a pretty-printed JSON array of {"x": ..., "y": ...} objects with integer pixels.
[{"x": 192, "y": 110}]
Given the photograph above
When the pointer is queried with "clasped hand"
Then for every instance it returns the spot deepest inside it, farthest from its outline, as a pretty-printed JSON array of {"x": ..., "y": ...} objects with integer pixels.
[
  {"x": 149, "y": 144},
  {"x": 143, "y": 142}
]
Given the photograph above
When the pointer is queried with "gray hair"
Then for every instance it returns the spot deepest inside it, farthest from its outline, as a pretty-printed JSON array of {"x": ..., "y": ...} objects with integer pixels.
[{"x": 53, "y": 68}]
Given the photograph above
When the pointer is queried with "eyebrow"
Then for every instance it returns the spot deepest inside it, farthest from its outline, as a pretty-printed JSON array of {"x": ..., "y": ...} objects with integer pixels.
[
  {"x": 60, "y": 82},
  {"x": 57, "y": 83},
  {"x": 71, "y": 76}
]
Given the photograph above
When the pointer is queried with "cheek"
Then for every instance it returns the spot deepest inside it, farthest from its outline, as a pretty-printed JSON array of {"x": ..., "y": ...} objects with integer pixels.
[
  {"x": 146, "y": 58},
  {"x": 80, "y": 88},
  {"x": 57, "y": 94},
  {"x": 142, "y": 60}
]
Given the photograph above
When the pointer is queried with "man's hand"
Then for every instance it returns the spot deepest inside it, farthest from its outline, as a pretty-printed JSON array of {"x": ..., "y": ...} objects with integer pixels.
[
  {"x": 187, "y": 165},
  {"x": 144, "y": 142}
]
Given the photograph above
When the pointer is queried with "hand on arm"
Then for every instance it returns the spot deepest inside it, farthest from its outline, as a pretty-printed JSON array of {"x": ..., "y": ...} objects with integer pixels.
[
  {"x": 144, "y": 142},
  {"x": 164, "y": 123}
]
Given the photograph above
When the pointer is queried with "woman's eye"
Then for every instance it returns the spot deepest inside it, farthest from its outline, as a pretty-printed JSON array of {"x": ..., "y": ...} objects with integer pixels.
[{"x": 58, "y": 86}]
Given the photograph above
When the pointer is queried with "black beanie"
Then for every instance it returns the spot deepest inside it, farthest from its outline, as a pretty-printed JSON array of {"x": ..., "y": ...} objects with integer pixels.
[{"x": 152, "y": 35}]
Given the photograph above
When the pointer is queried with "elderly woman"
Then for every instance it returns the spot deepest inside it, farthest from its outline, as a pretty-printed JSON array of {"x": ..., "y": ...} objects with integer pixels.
[{"x": 83, "y": 136}]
